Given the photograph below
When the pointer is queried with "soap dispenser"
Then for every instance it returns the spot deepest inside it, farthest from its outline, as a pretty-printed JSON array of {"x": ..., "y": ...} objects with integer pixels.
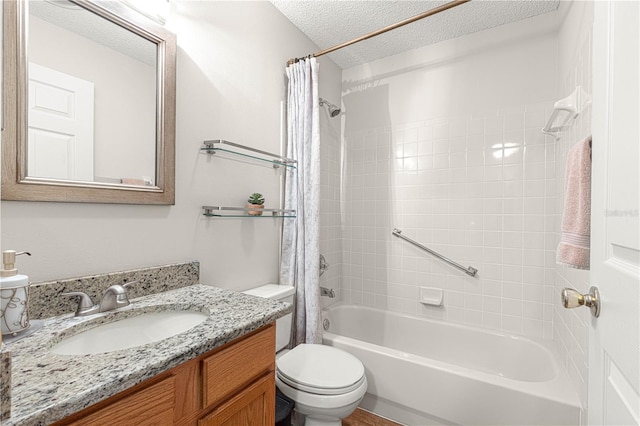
[{"x": 14, "y": 293}]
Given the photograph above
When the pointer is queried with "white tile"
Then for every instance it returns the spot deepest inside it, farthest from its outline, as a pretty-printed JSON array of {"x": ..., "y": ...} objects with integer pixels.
[
  {"x": 493, "y": 125},
  {"x": 534, "y": 188},
  {"x": 475, "y": 127},
  {"x": 454, "y": 298},
  {"x": 411, "y": 135},
  {"x": 513, "y": 154},
  {"x": 493, "y": 173},
  {"x": 492, "y": 288},
  {"x": 512, "y": 256},
  {"x": 533, "y": 328},
  {"x": 475, "y": 158},
  {"x": 493, "y": 189},
  {"x": 512, "y": 290},
  {"x": 425, "y": 162},
  {"x": 493, "y": 222},
  {"x": 532, "y": 293},
  {"x": 473, "y": 317},
  {"x": 491, "y": 271},
  {"x": 512, "y": 188},
  {"x": 532, "y": 311},
  {"x": 534, "y": 154},
  {"x": 533, "y": 275},
  {"x": 494, "y": 156},
  {"x": 533, "y": 223},
  {"x": 534, "y": 205},
  {"x": 425, "y": 133},
  {"x": 534, "y": 118},
  {"x": 513, "y": 307},
  {"x": 410, "y": 149},
  {"x": 514, "y": 121},
  {"x": 512, "y": 206},
  {"x": 425, "y": 147},
  {"x": 441, "y": 130},
  {"x": 512, "y": 239},
  {"x": 535, "y": 170},
  {"x": 492, "y": 238},
  {"x": 512, "y": 222},
  {"x": 492, "y": 304},
  {"x": 492, "y": 321},
  {"x": 440, "y": 161},
  {"x": 394, "y": 304},
  {"x": 499, "y": 213},
  {"x": 513, "y": 172},
  {"x": 441, "y": 146},
  {"x": 458, "y": 160}
]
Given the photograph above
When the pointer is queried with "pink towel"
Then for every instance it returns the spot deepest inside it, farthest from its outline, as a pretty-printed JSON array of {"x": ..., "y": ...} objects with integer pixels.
[{"x": 575, "y": 238}]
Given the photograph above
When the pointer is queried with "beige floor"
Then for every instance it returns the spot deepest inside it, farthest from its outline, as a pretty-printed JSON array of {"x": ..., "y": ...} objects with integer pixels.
[{"x": 364, "y": 418}]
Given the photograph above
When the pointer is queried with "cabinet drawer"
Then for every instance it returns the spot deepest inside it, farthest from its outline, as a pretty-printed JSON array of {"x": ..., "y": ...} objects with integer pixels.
[
  {"x": 152, "y": 405},
  {"x": 236, "y": 366}
]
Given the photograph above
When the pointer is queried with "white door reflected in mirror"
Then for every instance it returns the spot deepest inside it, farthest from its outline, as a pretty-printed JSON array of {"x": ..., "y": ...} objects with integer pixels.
[{"x": 60, "y": 135}]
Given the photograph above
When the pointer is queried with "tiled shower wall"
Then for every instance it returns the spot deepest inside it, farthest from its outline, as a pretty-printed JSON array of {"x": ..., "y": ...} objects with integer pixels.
[
  {"x": 476, "y": 188},
  {"x": 444, "y": 143},
  {"x": 571, "y": 327}
]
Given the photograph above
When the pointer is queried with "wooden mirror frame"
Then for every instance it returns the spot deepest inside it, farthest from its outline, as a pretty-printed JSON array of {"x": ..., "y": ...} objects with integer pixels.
[{"x": 16, "y": 185}]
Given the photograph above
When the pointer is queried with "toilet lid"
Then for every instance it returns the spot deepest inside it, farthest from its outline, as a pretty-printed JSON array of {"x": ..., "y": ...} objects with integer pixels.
[{"x": 320, "y": 369}]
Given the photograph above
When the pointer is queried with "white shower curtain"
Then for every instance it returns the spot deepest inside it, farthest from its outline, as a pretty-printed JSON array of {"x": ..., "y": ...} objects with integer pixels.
[{"x": 300, "y": 246}]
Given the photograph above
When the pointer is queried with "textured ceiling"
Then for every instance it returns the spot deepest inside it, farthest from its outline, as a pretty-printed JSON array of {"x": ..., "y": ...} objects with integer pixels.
[
  {"x": 331, "y": 22},
  {"x": 74, "y": 18}
]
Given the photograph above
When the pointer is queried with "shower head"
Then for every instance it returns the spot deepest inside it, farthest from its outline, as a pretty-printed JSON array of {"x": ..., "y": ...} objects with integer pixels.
[{"x": 333, "y": 109}]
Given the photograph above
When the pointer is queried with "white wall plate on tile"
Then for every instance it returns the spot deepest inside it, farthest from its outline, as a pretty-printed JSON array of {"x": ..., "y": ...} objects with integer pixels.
[{"x": 431, "y": 296}]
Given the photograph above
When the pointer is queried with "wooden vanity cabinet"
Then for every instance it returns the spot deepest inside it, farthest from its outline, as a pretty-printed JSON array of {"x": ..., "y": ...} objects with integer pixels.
[{"x": 231, "y": 385}]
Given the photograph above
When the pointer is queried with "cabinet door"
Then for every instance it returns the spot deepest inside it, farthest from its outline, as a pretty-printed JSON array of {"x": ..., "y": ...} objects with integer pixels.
[
  {"x": 254, "y": 406},
  {"x": 153, "y": 405}
]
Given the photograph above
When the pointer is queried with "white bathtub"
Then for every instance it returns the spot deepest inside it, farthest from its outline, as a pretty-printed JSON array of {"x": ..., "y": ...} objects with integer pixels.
[{"x": 428, "y": 372}]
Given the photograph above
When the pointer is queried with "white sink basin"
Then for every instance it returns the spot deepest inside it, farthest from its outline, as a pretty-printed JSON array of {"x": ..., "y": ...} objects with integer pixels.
[{"x": 129, "y": 332}]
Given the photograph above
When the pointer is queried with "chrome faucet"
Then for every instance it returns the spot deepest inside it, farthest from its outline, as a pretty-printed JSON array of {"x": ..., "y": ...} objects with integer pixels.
[
  {"x": 327, "y": 292},
  {"x": 113, "y": 298}
]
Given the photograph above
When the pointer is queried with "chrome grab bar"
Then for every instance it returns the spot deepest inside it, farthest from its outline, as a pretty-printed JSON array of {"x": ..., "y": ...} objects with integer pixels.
[{"x": 469, "y": 270}]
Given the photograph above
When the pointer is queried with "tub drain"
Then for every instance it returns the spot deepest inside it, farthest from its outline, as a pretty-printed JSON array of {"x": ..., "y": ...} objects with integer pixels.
[{"x": 326, "y": 324}]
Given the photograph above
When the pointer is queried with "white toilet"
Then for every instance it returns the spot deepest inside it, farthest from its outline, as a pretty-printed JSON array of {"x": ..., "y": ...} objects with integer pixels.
[{"x": 326, "y": 383}]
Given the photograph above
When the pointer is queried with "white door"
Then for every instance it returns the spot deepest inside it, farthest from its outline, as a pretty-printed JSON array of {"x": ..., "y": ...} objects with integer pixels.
[
  {"x": 614, "y": 337},
  {"x": 60, "y": 125}
]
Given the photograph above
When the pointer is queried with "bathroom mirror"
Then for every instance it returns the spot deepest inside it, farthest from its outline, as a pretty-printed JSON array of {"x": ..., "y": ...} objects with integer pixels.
[{"x": 89, "y": 104}]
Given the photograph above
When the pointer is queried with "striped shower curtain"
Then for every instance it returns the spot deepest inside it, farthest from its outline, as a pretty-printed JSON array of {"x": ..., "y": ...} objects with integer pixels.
[{"x": 300, "y": 246}]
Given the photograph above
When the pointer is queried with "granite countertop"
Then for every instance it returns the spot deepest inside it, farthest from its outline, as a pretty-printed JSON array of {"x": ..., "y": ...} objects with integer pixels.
[{"x": 47, "y": 387}]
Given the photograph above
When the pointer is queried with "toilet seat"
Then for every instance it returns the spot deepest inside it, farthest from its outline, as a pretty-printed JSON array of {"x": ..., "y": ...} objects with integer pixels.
[{"x": 320, "y": 370}]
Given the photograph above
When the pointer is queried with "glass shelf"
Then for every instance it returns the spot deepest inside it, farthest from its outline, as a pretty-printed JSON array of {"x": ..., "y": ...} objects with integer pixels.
[
  {"x": 218, "y": 211},
  {"x": 220, "y": 145}
]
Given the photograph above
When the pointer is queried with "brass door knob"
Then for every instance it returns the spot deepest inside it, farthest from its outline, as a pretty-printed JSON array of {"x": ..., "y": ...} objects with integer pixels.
[{"x": 573, "y": 299}]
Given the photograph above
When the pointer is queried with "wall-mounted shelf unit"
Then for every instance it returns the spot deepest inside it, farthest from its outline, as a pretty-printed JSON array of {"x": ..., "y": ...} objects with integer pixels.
[
  {"x": 220, "y": 145},
  {"x": 218, "y": 211},
  {"x": 565, "y": 111}
]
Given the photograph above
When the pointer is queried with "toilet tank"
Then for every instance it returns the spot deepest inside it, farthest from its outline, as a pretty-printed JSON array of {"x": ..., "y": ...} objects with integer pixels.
[{"x": 283, "y": 293}]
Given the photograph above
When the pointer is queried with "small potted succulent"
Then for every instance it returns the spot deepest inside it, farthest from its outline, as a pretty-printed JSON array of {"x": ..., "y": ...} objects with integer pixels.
[{"x": 256, "y": 201}]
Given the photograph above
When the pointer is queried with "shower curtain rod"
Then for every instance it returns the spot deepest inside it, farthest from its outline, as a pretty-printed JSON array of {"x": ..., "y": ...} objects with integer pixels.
[{"x": 415, "y": 18}]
